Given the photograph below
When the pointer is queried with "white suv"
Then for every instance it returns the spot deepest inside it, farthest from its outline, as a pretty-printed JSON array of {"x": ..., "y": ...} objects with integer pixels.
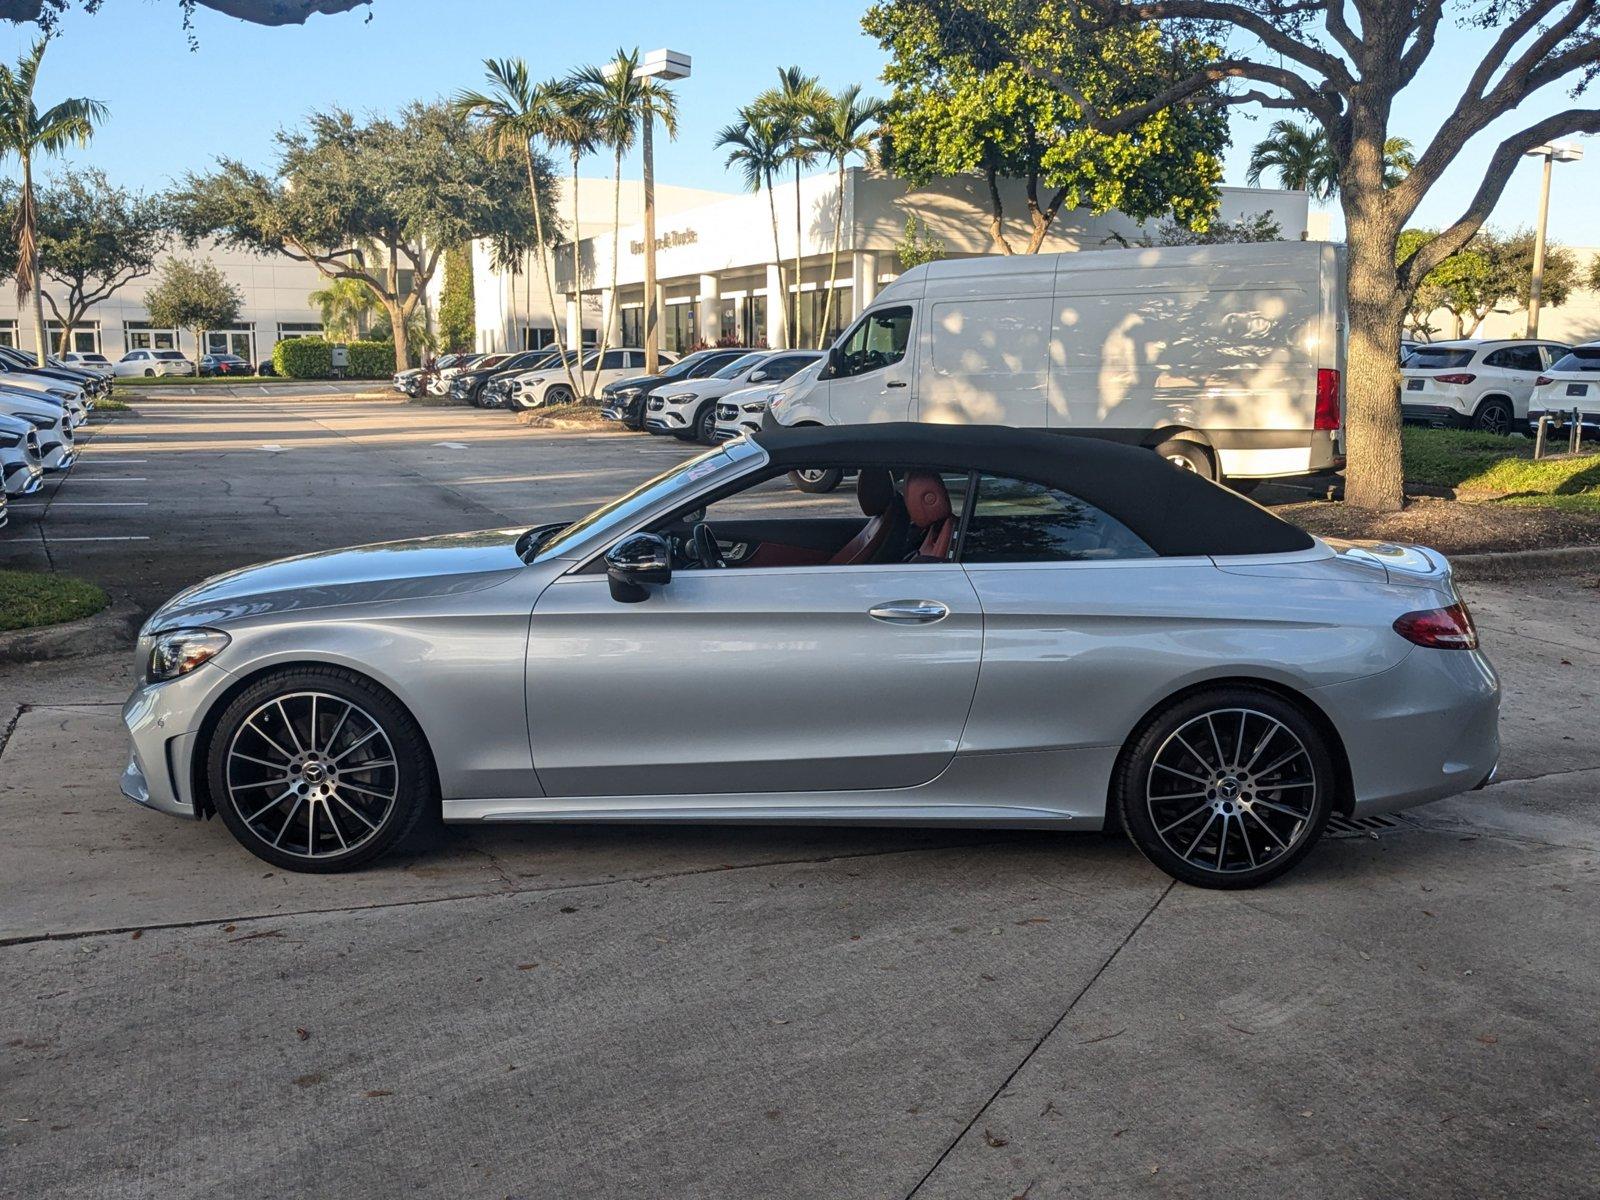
[
  {"x": 1571, "y": 384},
  {"x": 150, "y": 363},
  {"x": 1472, "y": 384}
]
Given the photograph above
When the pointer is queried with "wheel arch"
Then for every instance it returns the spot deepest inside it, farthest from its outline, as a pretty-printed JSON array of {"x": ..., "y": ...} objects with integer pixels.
[
  {"x": 1344, "y": 786},
  {"x": 198, "y": 781}
]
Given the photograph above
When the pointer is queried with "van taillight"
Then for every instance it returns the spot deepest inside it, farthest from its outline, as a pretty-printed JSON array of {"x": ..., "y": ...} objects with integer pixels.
[
  {"x": 1439, "y": 628},
  {"x": 1327, "y": 416},
  {"x": 1462, "y": 377}
]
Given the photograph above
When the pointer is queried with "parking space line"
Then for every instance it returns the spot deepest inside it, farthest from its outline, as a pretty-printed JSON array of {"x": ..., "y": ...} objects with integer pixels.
[
  {"x": 113, "y": 479},
  {"x": 134, "y": 537},
  {"x": 106, "y": 462},
  {"x": 100, "y": 504}
]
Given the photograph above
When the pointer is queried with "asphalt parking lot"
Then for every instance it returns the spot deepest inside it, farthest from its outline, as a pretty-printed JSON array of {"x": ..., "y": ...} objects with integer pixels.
[{"x": 747, "y": 1012}]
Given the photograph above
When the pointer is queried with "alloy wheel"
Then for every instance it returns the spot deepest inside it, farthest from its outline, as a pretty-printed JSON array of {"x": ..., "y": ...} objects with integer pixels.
[
  {"x": 1232, "y": 790},
  {"x": 312, "y": 774}
]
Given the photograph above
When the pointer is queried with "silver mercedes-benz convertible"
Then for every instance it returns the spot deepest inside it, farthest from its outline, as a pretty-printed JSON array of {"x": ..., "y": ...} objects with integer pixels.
[{"x": 997, "y": 627}]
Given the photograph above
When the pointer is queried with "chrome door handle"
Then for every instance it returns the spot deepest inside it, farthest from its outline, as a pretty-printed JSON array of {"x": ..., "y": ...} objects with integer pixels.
[{"x": 909, "y": 612}]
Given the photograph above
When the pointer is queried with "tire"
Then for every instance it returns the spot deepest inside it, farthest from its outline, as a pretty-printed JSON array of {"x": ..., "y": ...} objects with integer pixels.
[
  {"x": 556, "y": 393},
  {"x": 1221, "y": 753},
  {"x": 307, "y": 722},
  {"x": 1189, "y": 456},
  {"x": 1494, "y": 416},
  {"x": 817, "y": 482},
  {"x": 705, "y": 424},
  {"x": 149, "y": 373}
]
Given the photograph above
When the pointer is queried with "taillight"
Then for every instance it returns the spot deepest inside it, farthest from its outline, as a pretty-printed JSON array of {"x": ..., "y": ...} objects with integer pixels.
[
  {"x": 1327, "y": 415},
  {"x": 1439, "y": 628},
  {"x": 1460, "y": 377},
  {"x": 1542, "y": 380}
]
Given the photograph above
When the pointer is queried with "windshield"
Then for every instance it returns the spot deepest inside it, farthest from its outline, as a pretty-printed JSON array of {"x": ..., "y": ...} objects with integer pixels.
[
  {"x": 685, "y": 364},
  {"x": 1584, "y": 358},
  {"x": 739, "y": 366},
  {"x": 620, "y": 512},
  {"x": 1437, "y": 358}
]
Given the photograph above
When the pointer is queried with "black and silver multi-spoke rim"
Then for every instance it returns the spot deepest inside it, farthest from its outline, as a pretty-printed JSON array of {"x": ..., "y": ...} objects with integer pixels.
[
  {"x": 312, "y": 775},
  {"x": 1232, "y": 790}
]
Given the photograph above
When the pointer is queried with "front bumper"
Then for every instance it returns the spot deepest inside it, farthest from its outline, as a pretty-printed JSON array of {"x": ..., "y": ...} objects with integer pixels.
[
  {"x": 23, "y": 479},
  {"x": 163, "y": 723},
  {"x": 626, "y": 410}
]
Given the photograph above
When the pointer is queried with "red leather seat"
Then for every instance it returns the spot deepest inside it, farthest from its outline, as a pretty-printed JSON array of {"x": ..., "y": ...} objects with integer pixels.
[
  {"x": 928, "y": 505},
  {"x": 886, "y": 519}
]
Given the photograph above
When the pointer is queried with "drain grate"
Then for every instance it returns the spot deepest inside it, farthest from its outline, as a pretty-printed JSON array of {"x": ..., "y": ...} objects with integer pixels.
[{"x": 1345, "y": 827}]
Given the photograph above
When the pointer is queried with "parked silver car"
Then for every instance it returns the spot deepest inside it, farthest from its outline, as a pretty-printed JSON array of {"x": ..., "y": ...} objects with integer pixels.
[
  {"x": 1013, "y": 628},
  {"x": 21, "y": 463}
]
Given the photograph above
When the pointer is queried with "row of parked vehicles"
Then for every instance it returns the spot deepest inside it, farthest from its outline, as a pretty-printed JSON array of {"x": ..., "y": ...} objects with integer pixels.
[
  {"x": 149, "y": 364},
  {"x": 40, "y": 407},
  {"x": 1501, "y": 385}
]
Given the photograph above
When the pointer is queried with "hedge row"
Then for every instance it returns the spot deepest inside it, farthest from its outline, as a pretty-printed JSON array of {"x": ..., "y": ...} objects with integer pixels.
[{"x": 312, "y": 358}]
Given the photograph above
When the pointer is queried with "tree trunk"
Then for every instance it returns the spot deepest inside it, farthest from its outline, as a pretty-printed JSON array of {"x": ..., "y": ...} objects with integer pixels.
[
  {"x": 997, "y": 213},
  {"x": 782, "y": 298},
  {"x": 833, "y": 262},
  {"x": 40, "y": 337},
  {"x": 608, "y": 314},
  {"x": 397, "y": 322},
  {"x": 577, "y": 288},
  {"x": 796, "y": 334},
  {"x": 543, "y": 262},
  {"x": 1374, "y": 478}
]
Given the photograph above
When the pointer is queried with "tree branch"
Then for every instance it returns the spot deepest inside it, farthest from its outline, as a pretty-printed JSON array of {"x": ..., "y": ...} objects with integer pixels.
[
  {"x": 1329, "y": 66},
  {"x": 1339, "y": 29},
  {"x": 1427, "y": 27},
  {"x": 1504, "y": 160}
]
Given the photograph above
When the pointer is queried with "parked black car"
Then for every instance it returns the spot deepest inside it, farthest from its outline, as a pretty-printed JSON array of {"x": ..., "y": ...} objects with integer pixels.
[
  {"x": 223, "y": 364},
  {"x": 625, "y": 400},
  {"x": 471, "y": 385}
]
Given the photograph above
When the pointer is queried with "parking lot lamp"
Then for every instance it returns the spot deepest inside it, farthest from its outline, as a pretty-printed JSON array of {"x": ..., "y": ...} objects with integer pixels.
[
  {"x": 657, "y": 64},
  {"x": 1552, "y": 153}
]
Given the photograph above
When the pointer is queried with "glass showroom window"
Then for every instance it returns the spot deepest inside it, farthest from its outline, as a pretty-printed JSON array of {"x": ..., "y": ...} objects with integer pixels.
[
  {"x": 633, "y": 325},
  {"x": 298, "y": 329},
  {"x": 239, "y": 341},
  {"x": 85, "y": 337},
  {"x": 140, "y": 336},
  {"x": 8, "y": 333},
  {"x": 679, "y": 331}
]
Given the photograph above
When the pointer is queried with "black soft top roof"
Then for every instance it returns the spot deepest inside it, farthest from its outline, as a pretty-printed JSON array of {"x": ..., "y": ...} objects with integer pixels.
[{"x": 1176, "y": 512}]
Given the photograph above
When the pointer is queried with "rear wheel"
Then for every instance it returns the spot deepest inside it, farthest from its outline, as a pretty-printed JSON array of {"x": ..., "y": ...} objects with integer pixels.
[
  {"x": 316, "y": 769},
  {"x": 1189, "y": 456},
  {"x": 1493, "y": 416},
  {"x": 557, "y": 393},
  {"x": 817, "y": 479},
  {"x": 1228, "y": 788},
  {"x": 149, "y": 373}
]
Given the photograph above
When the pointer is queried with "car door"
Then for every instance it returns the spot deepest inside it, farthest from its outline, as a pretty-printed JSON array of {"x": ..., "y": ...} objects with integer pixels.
[
  {"x": 769, "y": 680},
  {"x": 1518, "y": 369},
  {"x": 869, "y": 377}
]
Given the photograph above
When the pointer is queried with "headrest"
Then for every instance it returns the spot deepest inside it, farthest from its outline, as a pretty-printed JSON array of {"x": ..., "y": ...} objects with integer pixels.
[
  {"x": 874, "y": 490},
  {"x": 927, "y": 501}
]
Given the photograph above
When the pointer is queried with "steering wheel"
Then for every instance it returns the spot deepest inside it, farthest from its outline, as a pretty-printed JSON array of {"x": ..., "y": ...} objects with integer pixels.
[{"x": 706, "y": 550}]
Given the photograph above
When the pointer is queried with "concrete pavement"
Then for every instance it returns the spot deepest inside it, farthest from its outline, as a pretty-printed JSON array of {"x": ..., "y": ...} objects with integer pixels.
[{"x": 756, "y": 1012}]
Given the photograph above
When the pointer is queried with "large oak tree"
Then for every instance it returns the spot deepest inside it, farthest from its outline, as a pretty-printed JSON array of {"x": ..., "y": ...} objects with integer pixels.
[
  {"x": 1345, "y": 64},
  {"x": 377, "y": 200}
]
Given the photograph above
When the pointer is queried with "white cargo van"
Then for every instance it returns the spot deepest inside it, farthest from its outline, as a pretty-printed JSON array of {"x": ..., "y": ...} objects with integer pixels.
[{"x": 1225, "y": 359}]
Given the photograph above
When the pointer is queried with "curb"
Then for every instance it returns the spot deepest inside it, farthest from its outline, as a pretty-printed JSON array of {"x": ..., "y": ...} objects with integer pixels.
[
  {"x": 1515, "y": 564},
  {"x": 112, "y": 628}
]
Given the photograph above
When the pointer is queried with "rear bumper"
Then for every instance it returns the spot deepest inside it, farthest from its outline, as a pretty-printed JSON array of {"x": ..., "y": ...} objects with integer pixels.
[{"x": 1433, "y": 414}]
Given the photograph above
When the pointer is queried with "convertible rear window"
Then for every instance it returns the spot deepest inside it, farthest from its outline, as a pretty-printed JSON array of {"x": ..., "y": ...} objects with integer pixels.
[{"x": 1021, "y": 522}]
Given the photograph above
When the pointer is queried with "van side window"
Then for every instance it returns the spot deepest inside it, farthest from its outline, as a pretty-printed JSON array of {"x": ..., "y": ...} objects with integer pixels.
[
  {"x": 1020, "y": 522},
  {"x": 878, "y": 340}
]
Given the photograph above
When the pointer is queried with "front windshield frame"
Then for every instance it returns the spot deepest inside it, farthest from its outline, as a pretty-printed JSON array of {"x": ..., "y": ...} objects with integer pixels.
[{"x": 610, "y": 521}]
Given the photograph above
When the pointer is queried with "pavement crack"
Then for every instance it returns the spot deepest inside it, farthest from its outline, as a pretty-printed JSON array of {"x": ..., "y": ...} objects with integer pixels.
[
  {"x": 511, "y": 889},
  {"x": 11, "y": 725},
  {"x": 1043, "y": 1038}
]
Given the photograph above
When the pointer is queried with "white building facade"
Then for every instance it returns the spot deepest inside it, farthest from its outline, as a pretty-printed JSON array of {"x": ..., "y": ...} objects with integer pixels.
[
  {"x": 275, "y": 290},
  {"x": 718, "y": 271}
]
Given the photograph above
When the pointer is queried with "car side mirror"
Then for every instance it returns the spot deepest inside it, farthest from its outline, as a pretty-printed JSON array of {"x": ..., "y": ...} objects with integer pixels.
[
  {"x": 835, "y": 362},
  {"x": 636, "y": 560},
  {"x": 758, "y": 376}
]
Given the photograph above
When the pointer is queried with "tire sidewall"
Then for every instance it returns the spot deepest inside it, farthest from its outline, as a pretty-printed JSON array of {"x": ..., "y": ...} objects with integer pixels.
[
  {"x": 417, "y": 794},
  {"x": 1134, "y": 768},
  {"x": 1199, "y": 457}
]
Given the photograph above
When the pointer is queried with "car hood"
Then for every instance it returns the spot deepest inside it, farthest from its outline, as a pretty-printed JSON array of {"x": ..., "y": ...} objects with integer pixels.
[
  {"x": 408, "y": 570},
  {"x": 710, "y": 385}
]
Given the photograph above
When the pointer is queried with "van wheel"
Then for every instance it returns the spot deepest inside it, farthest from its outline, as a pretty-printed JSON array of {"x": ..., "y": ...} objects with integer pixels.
[
  {"x": 1493, "y": 416},
  {"x": 817, "y": 480},
  {"x": 1189, "y": 456}
]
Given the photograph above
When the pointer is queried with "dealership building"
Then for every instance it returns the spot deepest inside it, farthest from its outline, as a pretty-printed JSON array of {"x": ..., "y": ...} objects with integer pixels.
[{"x": 717, "y": 278}]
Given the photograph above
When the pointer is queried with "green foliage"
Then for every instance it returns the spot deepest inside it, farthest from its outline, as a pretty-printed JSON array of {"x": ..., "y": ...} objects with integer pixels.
[
  {"x": 346, "y": 307},
  {"x": 303, "y": 358},
  {"x": 1493, "y": 272},
  {"x": 1302, "y": 158},
  {"x": 1489, "y": 463},
  {"x": 458, "y": 318},
  {"x": 370, "y": 360},
  {"x": 193, "y": 295},
  {"x": 918, "y": 246},
  {"x": 1259, "y": 227},
  {"x": 968, "y": 97},
  {"x": 29, "y": 599}
]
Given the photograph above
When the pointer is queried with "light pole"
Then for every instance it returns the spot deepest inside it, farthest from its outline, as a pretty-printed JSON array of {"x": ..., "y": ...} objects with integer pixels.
[
  {"x": 657, "y": 64},
  {"x": 1552, "y": 153}
]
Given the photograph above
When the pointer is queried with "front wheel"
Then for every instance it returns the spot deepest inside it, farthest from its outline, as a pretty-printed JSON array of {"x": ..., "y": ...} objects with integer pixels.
[
  {"x": 705, "y": 425},
  {"x": 316, "y": 769},
  {"x": 557, "y": 394},
  {"x": 149, "y": 373},
  {"x": 817, "y": 480},
  {"x": 1228, "y": 788},
  {"x": 1493, "y": 416}
]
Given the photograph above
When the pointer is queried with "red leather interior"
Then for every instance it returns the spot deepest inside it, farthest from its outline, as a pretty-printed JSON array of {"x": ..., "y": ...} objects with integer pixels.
[
  {"x": 878, "y": 499},
  {"x": 776, "y": 554},
  {"x": 928, "y": 503}
]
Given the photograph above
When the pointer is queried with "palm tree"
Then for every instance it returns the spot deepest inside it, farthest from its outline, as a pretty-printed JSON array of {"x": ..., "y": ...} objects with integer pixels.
[
  {"x": 795, "y": 104},
  {"x": 512, "y": 113},
  {"x": 1304, "y": 159},
  {"x": 577, "y": 132},
  {"x": 1300, "y": 157},
  {"x": 27, "y": 133},
  {"x": 755, "y": 146},
  {"x": 346, "y": 306},
  {"x": 846, "y": 128}
]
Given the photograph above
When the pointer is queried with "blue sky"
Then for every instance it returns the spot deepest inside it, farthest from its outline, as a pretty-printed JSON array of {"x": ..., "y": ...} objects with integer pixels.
[{"x": 173, "y": 109}]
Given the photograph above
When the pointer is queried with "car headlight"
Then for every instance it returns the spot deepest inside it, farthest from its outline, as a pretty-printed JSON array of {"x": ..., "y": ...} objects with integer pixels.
[
  {"x": 754, "y": 406},
  {"x": 683, "y": 399},
  {"x": 179, "y": 651}
]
